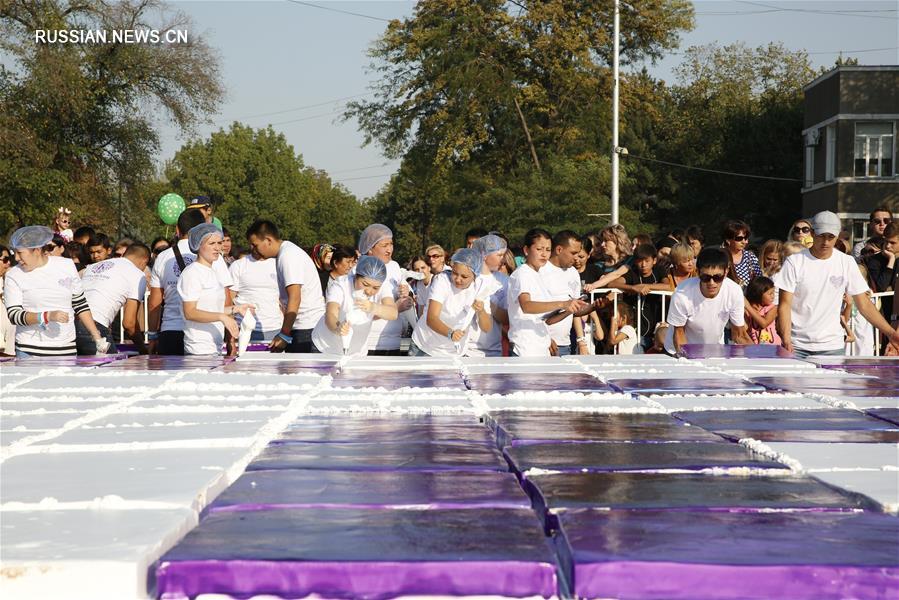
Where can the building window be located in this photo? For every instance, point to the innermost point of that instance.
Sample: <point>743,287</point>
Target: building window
<point>809,166</point>
<point>873,149</point>
<point>831,152</point>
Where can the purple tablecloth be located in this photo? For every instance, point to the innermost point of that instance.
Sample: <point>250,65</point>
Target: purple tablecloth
<point>720,555</point>
<point>346,553</point>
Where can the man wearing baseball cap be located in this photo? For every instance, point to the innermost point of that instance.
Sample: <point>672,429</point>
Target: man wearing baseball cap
<point>812,284</point>
<point>204,205</point>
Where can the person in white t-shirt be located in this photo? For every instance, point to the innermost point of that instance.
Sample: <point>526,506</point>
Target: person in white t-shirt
<point>299,287</point>
<point>453,304</point>
<point>812,284</point>
<point>110,286</point>
<point>702,306</point>
<point>255,281</point>
<point>43,296</point>
<point>203,296</point>
<point>385,336</point>
<point>530,301</point>
<point>563,282</point>
<point>490,343</point>
<point>352,302</point>
<point>166,320</point>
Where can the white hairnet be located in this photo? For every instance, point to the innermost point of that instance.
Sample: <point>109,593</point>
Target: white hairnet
<point>32,236</point>
<point>371,268</point>
<point>469,257</point>
<point>489,244</point>
<point>199,233</point>
<point>373,234</point>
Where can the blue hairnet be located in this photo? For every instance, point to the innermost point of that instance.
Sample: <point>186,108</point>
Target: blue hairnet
<point>32,236</point>
<point>372,235</point>
<point>471,258</point>
<point>199,233</point>
<point>489,244</point>
<point>371,268</point>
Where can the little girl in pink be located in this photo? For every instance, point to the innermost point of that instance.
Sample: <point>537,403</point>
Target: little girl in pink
<point>761,311</point>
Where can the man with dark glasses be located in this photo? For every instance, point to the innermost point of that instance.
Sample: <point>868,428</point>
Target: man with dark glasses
<point>702,306</point>
<point>812,284</point>
<point>879,219</point>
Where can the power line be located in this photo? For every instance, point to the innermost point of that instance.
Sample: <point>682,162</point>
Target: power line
<point>844,13</point>
<point>287,110</point>
<point>692,168</point>
<point>309,118</point>
<point>841,51</point>
<point>337,10</point>
<point>367,177</point>
<point>384,164</point>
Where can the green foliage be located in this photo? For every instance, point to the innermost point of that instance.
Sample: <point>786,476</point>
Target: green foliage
<point>75,119</point>
<point>254,173</point>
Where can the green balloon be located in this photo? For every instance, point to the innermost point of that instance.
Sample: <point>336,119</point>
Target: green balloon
<point>217,223</point>
<point>170,208</point>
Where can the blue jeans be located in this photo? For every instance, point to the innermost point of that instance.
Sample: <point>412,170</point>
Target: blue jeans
<point>301,343</point>
<point>564,350</point>
<point>800,353</point>
<point>414,350</point>
<point>85,343</point>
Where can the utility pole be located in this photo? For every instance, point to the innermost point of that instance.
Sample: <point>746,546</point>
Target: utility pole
<point>615,155</point>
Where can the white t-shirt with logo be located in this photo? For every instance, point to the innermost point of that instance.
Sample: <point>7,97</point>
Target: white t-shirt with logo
<point>562,284</point>
<point>108,284</point>
<point>818,286</point>
<point>528,332</point>
<point>165,276</point>
<point>703,319</point>
<point>294,267</point>
<point>256,282</point>
<point>340,292</point>
<point>46,288</point>
<point>386,335</point>
<point>199,283</point>
<point>455,312</point>
<point>490,343</point>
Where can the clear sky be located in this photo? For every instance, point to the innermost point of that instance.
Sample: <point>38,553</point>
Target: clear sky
<point>292,65</point>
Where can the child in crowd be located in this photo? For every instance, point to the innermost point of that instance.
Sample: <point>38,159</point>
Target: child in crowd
<point>622,333</point>
<point>761,311</point>
<point>642,278</point>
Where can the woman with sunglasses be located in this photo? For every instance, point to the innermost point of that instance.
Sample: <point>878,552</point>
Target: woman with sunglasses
<point>61,223</point>
<point>702,306</point>
<point>43,297</point>
<point>746,264</point>
<point>801,232</point>
<point>7,329</point>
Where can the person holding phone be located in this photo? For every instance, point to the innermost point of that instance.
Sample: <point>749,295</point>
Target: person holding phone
<point>701,306</point>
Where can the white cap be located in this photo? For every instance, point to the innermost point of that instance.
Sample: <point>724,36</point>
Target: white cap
<point>826,222</point>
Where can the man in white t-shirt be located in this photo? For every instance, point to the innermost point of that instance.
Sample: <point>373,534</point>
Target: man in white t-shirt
<point>490,343</point>
<point>166,326</point>
<point>109,286</point>
<point>299,287</point>
<point>385,336</point>
<point>812,284</point>
<point>255,281</point>
<point>563,282</point>
<point>701,306</point>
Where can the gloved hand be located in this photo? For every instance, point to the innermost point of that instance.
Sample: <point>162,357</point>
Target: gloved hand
<point>102,345</point>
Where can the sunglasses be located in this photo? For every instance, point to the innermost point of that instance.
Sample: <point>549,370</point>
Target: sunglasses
<point>802,230</point>
<point>881,221</point>
<point>5,259</point>
<point>435,255</point>
<point>705,278</point>
<point>741,238</point>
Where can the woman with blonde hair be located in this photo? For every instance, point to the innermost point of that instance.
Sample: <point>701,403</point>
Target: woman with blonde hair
<point>801,232</point>
<point>683,264</point>
<point>615,256</point>
<point>436,257</point>
<point>772,257</point>
<point>61,223</point>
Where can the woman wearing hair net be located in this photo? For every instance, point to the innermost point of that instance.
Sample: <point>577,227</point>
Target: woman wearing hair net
<point>43,295</point>
<point>352,304</point>
<point>446,323</point>
<point>203,295</point>
<point>490,343</point>
<point>385,336</point>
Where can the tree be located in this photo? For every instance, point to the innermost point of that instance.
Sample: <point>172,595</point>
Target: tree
<point>76,118</point>
<point>254,173</point>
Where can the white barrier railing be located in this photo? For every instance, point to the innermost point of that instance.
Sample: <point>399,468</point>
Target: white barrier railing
<point>879,304</point>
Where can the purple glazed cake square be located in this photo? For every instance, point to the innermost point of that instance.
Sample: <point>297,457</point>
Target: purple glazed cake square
<point>650,554</point>
<point>624,456</point>
<point>517,428</point>
<point>285,367</point>
<point>347,553</point>
<point>510,383</point>
<point>257,490</point>
<point>814,383</point>
<point>890,415</point>
<point>358,378</point>
<point>698,385</point>
<point>380,457</point>
<point>389,429</point>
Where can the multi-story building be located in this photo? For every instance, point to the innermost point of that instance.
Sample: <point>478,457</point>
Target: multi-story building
<point>851,118</point>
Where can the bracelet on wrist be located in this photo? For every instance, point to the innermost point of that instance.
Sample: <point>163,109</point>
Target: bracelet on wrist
<point>284,337</point>
<point>450,333</point>
<point>152,335</point>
